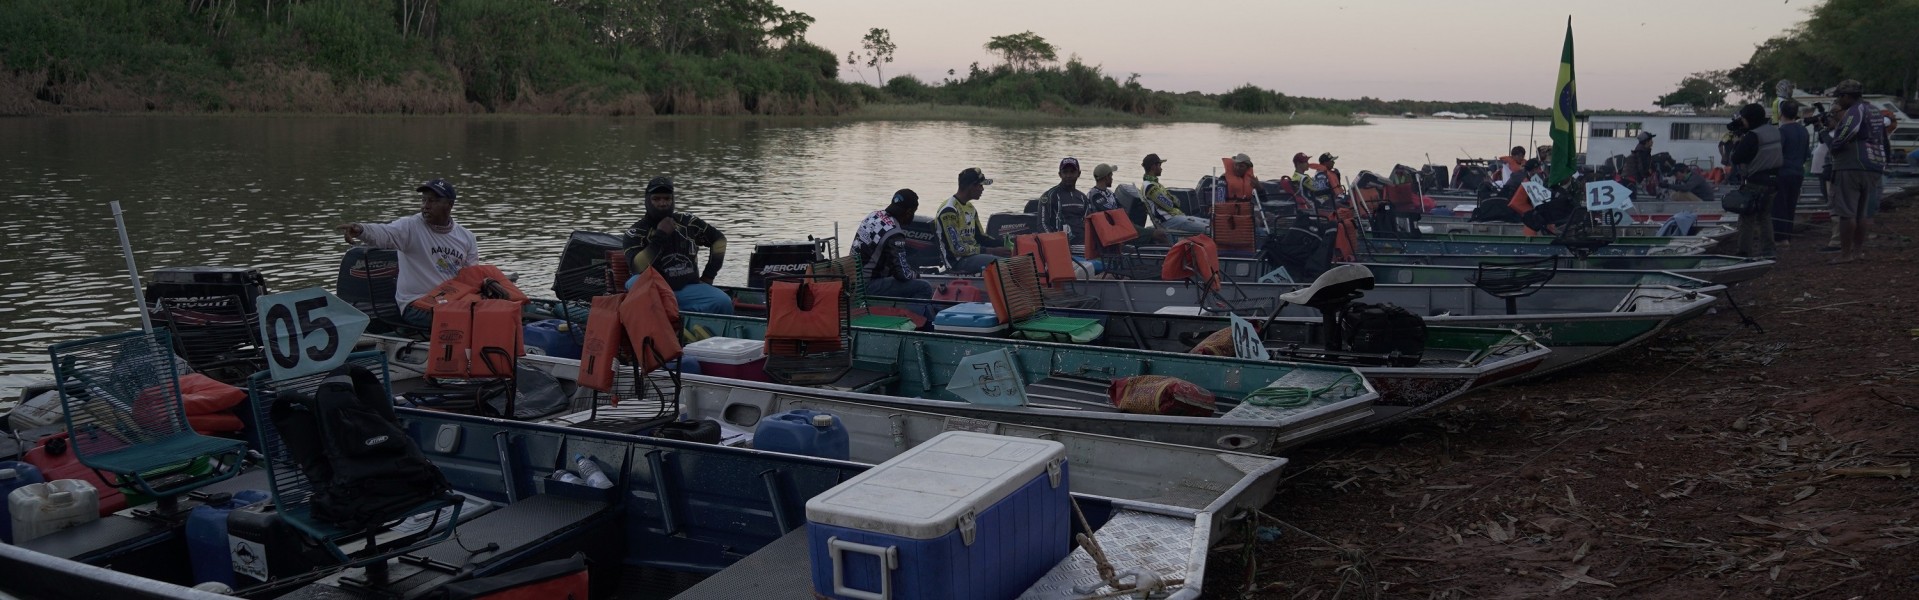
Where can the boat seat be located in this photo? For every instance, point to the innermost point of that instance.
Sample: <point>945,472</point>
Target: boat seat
<point>1013,286</point>
<point>860,380</point>
<point>1070,393</point>
<point>127,420</point>
<point>1515,280</point>
<point>1333,285</point>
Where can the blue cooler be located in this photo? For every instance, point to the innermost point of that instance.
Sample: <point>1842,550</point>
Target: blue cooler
<point>964,515</point>
<point>554,337</point>
<point>208,548</point>
<point>970,318</point>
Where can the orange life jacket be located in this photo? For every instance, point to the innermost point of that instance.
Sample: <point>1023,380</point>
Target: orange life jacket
<point>651,317</point>
<point>473,282</point>
<point>803,317</point>
<point>1052,255</point>
<point>600,349</point>
<point>1238,187</point>
<point>1332,178</point>
<point>1345,236</point>
<point>1233,225</point>
<point>1195,258</point>
<point>475,339</point>
<point>1108,228</point>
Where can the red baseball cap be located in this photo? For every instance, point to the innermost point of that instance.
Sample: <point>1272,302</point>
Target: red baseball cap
<point>1302,157</point>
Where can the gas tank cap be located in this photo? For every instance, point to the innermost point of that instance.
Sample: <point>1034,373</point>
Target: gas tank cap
<point>822,420</point>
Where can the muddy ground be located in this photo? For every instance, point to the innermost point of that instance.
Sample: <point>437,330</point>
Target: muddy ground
<point>1714,462</point>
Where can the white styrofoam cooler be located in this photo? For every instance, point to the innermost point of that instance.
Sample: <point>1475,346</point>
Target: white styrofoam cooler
<point>726,350</point>
<point>964,515</point>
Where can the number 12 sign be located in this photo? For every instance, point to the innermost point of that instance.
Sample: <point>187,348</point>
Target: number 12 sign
<point>307,331</point>
<point>1607,195</point>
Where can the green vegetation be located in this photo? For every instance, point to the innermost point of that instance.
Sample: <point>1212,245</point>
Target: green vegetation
<point>605,57</point>
<point>1867,40</point>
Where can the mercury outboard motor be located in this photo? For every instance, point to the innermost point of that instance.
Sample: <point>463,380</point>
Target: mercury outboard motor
<point>923,243</point>
<point>583,266</point>
<point>211,313</point>
<point>780,258</point>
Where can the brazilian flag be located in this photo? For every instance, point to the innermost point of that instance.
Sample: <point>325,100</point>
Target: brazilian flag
<point>1565,106</point>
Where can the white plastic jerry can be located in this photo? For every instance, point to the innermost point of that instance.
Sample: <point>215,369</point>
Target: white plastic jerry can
<point>42,508</point>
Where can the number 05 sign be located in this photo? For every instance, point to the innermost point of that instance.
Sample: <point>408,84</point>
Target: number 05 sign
<point>307,331</point>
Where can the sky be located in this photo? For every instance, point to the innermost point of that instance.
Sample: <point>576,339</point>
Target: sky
<point>1628,52</point>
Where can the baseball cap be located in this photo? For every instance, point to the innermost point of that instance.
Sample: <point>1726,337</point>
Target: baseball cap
<point>973,175</point>
<point>1647,135</point>
<point>659,185</point>
<point>907,197</point>
<point>1150,160</point>
<point>1849,86</point>
<point>1069,162</point>
<point>1103,170</point>
<point>1242,159</point>
<point>438,187</point>
<point>1327,156</point>
<point>1532,163</point>
<point>1302,157</point>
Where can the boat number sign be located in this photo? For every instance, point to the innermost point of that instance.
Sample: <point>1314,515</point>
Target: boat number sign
<point>307,331</point>
<point>1247,342</point>
<point>1537,192</point>
<point>1607,195</point>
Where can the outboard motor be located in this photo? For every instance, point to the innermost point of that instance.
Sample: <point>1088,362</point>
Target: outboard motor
<point>368,279</point>
<point>1004,226</point>
<point>583,266</point>
<point>923,243</point>
<point>211,313</point>
<point>1305,250</point>
<point>1134,201</point>
<point>780,258</point>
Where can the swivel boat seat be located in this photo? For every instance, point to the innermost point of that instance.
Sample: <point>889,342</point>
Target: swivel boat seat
<point>1329,294</point>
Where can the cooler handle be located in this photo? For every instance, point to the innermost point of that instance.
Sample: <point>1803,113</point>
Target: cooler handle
<point>889,558</point>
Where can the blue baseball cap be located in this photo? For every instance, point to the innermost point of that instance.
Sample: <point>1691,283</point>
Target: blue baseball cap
<point>438,187</point>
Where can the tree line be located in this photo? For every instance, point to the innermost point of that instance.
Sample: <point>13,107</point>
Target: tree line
<point>1867,40</point>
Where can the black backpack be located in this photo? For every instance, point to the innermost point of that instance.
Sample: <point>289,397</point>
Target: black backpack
<point>363,467</point>
<point>1384,329</point>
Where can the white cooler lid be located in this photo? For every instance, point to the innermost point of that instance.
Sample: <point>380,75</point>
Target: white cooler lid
<point>727,350</point>
<point>922,493</point>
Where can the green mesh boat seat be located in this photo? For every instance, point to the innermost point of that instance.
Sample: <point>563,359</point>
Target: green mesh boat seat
<point>1012,285</point>
<point>849,267</point>
<point>293,492</point>
<point>121,398</point>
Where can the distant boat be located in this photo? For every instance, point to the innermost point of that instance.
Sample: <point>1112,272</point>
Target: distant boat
<point>1410,115</point>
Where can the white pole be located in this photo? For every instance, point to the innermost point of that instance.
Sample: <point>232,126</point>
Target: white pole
<point>133,271</point>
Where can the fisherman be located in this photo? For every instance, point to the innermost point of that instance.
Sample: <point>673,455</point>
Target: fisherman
<point>1335,180</point>
<point>1795,143</point>
<point>1757,154</point>
<point>1162,207</point>
<point>880,244</point>
<point>431,247</point>
<point>1639,164</point>
<point>1858,155</point>
<point>669,241</point>
<point>1689,186</point>
<point>1100,198</point>
<point>1240,183</point>
<point>1513,162</point>
<point>1311,190</point>
<point>963,240</point>
<point>1063,208</point>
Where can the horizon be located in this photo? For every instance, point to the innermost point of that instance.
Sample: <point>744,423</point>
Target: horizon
<point>1613,73</point>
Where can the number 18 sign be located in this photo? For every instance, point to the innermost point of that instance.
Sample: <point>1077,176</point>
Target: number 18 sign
<point>1607,195</point>
<point>307,331</point>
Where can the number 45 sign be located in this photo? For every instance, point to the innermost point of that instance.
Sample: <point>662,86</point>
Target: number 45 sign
<point>307,331</point>
<point>1607,195</point>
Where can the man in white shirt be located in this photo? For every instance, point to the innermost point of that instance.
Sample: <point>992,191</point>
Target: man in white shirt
<point>431,247</point>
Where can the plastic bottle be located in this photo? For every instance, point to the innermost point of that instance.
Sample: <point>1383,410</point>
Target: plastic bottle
<point>566,476</point>
<point>590,471</point>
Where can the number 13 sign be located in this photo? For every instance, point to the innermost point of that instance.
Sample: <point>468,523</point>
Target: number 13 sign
<point>307,331</point>
<point>1607,195</point>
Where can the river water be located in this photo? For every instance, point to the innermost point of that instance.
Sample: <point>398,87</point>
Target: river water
<point>267,191</point>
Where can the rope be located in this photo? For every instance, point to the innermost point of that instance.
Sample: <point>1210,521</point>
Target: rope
<point>1290,396</point>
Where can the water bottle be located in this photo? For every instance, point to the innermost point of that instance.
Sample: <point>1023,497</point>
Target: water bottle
<point>565,476</point>
<point>590,471</point>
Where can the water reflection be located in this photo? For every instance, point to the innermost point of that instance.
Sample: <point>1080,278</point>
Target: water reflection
<point>267,191</point>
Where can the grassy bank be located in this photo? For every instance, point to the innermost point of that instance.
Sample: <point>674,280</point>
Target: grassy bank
<point>1184,114</point>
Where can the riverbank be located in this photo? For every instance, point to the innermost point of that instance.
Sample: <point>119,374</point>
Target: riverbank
<point>1089,116</point>
<point>1716,461</point>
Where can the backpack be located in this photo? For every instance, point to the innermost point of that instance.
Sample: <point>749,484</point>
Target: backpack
<point>1384,329</point>
<point>363,467</point>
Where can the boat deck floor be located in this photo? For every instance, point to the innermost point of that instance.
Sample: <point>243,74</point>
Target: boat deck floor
<point>771,573</point>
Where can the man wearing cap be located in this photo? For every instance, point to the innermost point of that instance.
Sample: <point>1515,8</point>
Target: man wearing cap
<point>1335,180</point>
<point>1758,155</point>
<point>1639,163</point>
<point>963,240</point>
<point>880,244</point>
<point>431,247</point>
<point>1063,208</point>
<point>1162,207</point>
<point>669,241</point>
<point>1309,187</point>
<point>1858,154</point>
<point>1240,184</point>
<point>1688,186</point>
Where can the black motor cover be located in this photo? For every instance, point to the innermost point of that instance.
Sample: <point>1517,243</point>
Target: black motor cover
<point>582,272</point>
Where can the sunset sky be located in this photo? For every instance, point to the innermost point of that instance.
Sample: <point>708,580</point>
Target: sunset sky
<point>1629,51</point>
